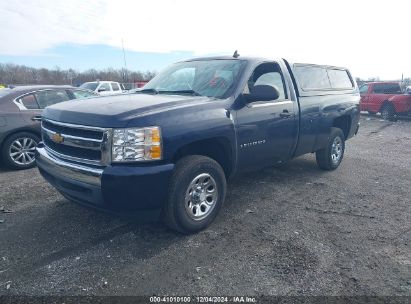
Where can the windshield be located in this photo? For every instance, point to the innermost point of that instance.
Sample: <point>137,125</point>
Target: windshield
<point>212,78</point>
<point>89,85</point>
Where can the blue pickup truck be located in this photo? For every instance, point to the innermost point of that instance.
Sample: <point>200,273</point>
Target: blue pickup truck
<point>171,147</point>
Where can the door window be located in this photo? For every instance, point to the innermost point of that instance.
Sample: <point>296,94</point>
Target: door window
<point>392,88</point>
<point>104,87</point>
<point>29,101</point>
<point>387,88</point>
<point>364,89</point>
<point>378,88</point>
<point>50,97</point>
<point>115,86</point>
<point>268,74</point>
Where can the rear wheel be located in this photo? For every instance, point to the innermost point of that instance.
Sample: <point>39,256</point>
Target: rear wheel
<point>196,194</point>
<point>19,149</point>
<point>388,112</point>
<point>331,156</point>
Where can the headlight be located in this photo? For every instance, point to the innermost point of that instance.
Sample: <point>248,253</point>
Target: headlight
<point>136,144</point>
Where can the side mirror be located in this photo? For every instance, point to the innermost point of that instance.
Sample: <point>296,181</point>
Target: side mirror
<point>101,90</point>
<point>263,93</point>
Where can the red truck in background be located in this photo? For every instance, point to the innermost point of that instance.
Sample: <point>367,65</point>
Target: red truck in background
<point>386,98</point>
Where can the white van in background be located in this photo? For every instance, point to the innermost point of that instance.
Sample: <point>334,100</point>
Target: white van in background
<point>103,87</point>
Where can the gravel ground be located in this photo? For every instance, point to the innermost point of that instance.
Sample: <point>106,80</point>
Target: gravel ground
<point>289,231</point>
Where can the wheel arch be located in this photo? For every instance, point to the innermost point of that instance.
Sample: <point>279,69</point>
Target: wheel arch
<point>344,123</point>
<point>387,103</point>
<point>217,148</point>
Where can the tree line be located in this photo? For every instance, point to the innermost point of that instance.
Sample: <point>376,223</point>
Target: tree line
<point>14,74</point>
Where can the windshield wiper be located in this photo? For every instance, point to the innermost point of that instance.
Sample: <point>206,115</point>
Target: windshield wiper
<point>191,92</point>
<point>153,91</point>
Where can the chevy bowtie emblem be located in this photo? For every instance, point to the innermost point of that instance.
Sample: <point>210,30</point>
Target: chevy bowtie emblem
<point>57,138</point>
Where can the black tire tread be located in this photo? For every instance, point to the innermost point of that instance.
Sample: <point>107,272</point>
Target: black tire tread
<point>183,167</point>
<point>391,111</point>
<point>322,156</point>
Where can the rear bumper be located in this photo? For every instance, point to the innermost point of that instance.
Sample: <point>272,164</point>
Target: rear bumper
<point>115,188</point>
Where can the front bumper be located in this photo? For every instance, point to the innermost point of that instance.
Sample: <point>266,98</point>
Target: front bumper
<point>121,188</point>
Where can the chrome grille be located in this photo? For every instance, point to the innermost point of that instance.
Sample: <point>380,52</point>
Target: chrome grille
<point>78,143</point>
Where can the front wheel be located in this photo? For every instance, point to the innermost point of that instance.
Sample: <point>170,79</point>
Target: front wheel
<point>331,156</point>
<point>196,194</point>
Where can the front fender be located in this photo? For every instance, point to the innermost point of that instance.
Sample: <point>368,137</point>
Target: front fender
<point>205,125</point>
<point>181,126</point>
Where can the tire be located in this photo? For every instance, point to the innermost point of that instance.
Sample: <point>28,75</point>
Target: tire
<point>196,193</point>
<point>331,156</point>
<point>388,112</point>
<point>18,150</point>
<point>372,113</point>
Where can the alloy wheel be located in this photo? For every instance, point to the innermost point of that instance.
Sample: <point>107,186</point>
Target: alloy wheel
<point>22,151</point>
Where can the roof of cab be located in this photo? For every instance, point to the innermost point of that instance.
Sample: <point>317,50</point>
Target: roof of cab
<point>261,59</point>
<point>226,58</point>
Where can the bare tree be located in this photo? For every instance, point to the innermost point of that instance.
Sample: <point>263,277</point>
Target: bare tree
<point>13,74</point>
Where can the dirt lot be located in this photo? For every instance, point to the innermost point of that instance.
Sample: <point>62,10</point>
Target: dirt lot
<point>295,230</point>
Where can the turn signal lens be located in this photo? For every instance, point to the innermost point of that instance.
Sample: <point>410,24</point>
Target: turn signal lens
<point>155,152</point>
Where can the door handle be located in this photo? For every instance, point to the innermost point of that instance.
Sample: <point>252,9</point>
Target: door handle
<point>285,114</point>
<point>36,118</point>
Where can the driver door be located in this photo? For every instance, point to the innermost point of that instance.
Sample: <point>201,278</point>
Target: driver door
<point>266,130</point>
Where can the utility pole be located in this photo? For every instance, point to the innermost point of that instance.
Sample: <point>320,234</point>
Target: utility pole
<point>125,62</point>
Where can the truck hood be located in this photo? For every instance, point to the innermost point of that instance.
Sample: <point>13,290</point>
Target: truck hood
<point>117,111</point>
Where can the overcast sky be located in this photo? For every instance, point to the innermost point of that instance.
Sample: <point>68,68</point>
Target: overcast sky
<point>372,38</point>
